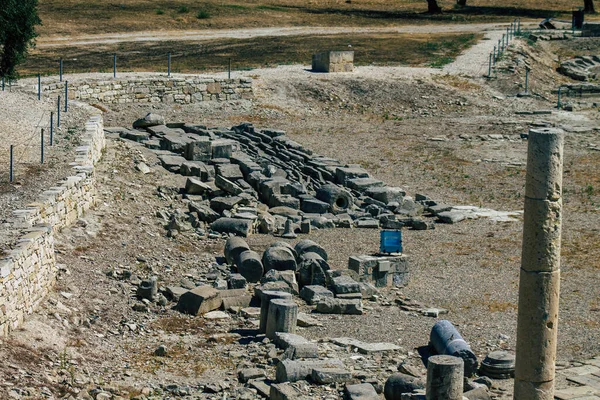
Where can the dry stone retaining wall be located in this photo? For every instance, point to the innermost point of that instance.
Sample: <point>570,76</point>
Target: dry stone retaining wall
<point>157,89</point>
<point>28,271</point>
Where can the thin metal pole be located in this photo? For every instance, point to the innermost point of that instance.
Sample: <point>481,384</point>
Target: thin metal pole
<point>60,69</point>
<point>11,165</point>
<point>558,105</point>
<point>51,128</point>
<point>39,86</point>
<point>42,147</point>
<point>526,79</point>
<point>3,84</point>
<point>229,69</point>
<point>66,96</point>
<point>115,65</point>
<point>58,112</point>
<point>490,66</point>
<point>169,66</point>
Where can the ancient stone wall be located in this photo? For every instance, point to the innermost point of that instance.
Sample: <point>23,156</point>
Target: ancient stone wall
<point>154,89</point>
<point>28,270</point>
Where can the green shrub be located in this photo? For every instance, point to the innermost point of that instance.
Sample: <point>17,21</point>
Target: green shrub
<point>183,10</point>
<point>159,12</point>
<point>202,14</point>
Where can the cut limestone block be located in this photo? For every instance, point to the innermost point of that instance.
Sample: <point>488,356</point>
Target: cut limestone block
<point>381,271</point>
<point>333,61</point>
<point>199,300</point>
<point>295,370</point>
<point>344,284</point>
<point>339,306</point>
<point>239,227</point>
<point>312,294</point>
<point>296,346</point>
<point>196,186</point>
<point>199,150</point>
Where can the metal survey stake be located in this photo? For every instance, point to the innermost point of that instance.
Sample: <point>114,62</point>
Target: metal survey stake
<point>66,96</point>
<point>11,165</point>
<point>115,65</point>
<point>39,86</point>
<point>42,147</point>
<point>51,128</point>
<point>169,66</point>
<point>60,69</point>
<point>58,112</point>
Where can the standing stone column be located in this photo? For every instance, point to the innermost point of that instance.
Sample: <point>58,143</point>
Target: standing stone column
<point>265,300</point>
<point>540,267</point>
<point>283,316</point>
<point>445,378</point>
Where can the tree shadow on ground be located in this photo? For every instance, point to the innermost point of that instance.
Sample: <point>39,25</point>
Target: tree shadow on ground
<point>507,11</point>
<point>445,15</point>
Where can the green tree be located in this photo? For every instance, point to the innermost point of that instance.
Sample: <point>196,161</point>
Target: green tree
<point>18,19</point>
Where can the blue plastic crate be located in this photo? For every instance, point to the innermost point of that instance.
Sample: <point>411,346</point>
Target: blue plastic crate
<point>390,241</point>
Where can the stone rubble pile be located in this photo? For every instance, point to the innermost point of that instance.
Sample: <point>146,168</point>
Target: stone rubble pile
<point>244,180</point>
<point>276,293</point>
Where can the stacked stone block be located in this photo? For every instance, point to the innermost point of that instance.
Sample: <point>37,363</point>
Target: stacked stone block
<point>28,270</point>
<point>156,89</point>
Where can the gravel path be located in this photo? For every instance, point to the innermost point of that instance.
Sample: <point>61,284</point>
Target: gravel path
<point>152,36</point>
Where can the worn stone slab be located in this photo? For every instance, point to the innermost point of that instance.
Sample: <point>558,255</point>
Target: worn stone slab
<point>285,391</point>
<point>582,370</point>
<point>306,321</point>
<point>586,380</point>
<point>261,387</point>
<point>345,284</point>
<point>247,374</point>
<point>171,163</point>
<point>575,392</point>
<point>363,347</point>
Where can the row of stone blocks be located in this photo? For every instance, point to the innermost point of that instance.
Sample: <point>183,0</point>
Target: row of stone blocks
<point>28,270</point>
<point>157,89</point>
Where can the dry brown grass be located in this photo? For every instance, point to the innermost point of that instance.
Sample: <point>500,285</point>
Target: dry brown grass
<point>65,17</point>
<point>192,57</point>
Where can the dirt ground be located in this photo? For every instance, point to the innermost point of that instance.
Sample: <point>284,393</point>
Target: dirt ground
<point>428,133</point>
